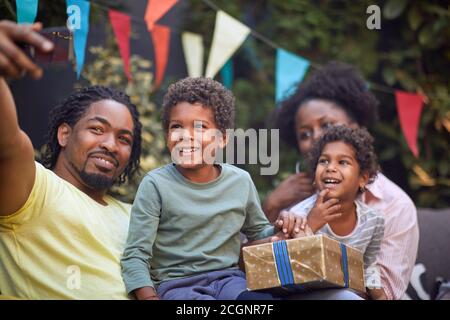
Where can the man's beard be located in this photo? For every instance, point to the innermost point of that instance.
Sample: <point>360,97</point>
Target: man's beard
<point>94,180</point>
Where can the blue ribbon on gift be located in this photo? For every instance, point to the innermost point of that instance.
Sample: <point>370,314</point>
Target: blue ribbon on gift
<point>283,263</point>
<point>284,268</point>
<point>344,264</point>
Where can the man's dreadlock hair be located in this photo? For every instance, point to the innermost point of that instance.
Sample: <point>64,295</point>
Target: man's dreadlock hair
<point>72,109</point>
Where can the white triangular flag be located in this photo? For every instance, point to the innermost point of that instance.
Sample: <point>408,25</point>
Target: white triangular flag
<point>193,53</point>
<point>229,34</point>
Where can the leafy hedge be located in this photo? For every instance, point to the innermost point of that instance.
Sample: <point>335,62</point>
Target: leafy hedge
<point>411,52</point>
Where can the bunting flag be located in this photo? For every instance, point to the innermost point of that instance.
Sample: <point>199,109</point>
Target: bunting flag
<point>155,10</point>
<point>26,11</point>
<point>193,53</point>
<point>290,70</point>
<point>121,24</point>
<point>227,74</point>
<point>161,45</point>
<point>78,22</point>
<point>229,34</point>
<point>409,108</point>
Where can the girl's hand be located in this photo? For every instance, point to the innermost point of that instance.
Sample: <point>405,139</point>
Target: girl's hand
<point>323,211</point>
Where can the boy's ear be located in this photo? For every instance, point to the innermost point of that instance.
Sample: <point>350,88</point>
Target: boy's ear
<point>64,131</point>
<point>167,138</point>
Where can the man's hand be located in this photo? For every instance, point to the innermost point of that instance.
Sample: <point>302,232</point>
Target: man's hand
<point>146,293</point>
<point>14,63</point>
<point>292,190</point>
<point>17,168</point>
<point>323,211</point>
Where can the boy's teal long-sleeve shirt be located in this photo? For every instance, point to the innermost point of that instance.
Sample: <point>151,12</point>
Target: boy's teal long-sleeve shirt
<point>179,228</point>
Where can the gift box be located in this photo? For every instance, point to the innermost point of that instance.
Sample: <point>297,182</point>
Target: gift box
<point>304,263</point>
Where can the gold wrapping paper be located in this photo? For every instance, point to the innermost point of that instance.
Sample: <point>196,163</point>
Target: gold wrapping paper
<point>315,262</point>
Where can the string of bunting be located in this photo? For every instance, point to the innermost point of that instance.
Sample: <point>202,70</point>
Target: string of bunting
<point>229,35</point>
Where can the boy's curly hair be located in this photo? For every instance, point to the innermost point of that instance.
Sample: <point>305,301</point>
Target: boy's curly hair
<point>336,82</point>
<point>205,91</point>
<point>361,141</point>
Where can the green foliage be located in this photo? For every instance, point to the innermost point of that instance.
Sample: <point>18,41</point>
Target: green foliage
<point>419,61</point>
<point>411,52</point>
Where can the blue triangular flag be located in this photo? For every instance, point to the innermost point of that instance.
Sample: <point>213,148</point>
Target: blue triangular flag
<point>290,70</point>
<point>26,10</point>
<point>78,22</point>
<point>227,74</point>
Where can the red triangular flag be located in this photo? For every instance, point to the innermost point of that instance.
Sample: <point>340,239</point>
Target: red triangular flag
<point>161,45</point>
<point>121,24</point>
<point>409,108</point>
<point>155,10</point>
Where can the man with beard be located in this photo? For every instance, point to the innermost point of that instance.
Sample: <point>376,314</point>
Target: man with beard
<point>61,235</point>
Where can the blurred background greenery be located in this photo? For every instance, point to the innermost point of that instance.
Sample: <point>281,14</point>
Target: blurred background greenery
<point>410,52</point>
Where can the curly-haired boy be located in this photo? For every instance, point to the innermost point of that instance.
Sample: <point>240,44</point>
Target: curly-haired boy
<point>184,237</point>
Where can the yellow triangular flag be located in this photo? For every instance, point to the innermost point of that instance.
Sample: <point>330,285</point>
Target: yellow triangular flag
<point>193,53</point>
<point>229,34</point>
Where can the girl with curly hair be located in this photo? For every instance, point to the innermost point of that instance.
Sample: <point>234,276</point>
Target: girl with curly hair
<point>343,162</point>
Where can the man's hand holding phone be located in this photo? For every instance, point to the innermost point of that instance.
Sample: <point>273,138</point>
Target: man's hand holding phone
<point>61,37</point>
<point>14,62</point>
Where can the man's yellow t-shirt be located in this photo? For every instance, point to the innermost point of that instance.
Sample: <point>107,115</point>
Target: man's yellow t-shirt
<point>62,244</point>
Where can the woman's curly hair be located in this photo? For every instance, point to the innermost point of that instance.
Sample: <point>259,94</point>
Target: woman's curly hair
<point>72,109</point>
<point>205,91</point>
<point>336,82</point>
<point>360,140</point>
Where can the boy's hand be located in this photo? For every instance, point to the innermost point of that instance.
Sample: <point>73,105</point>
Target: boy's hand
<point>14,63</point>
<point>377,294</point>
<point>305,230</point>
<point>280,235</point>
<point>146,293</point>
<point>323,211</point>
<point>290,225</point>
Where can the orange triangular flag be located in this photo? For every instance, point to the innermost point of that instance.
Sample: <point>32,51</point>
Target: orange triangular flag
<point>161,45</point>
<point>409,108</point>
<point>155,10</point>
<point>121,25</point>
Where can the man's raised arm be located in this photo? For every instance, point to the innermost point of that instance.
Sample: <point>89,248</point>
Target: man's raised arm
<point>17,169</point>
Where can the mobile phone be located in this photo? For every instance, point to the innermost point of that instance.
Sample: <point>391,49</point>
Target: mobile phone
<point>62,40</point>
